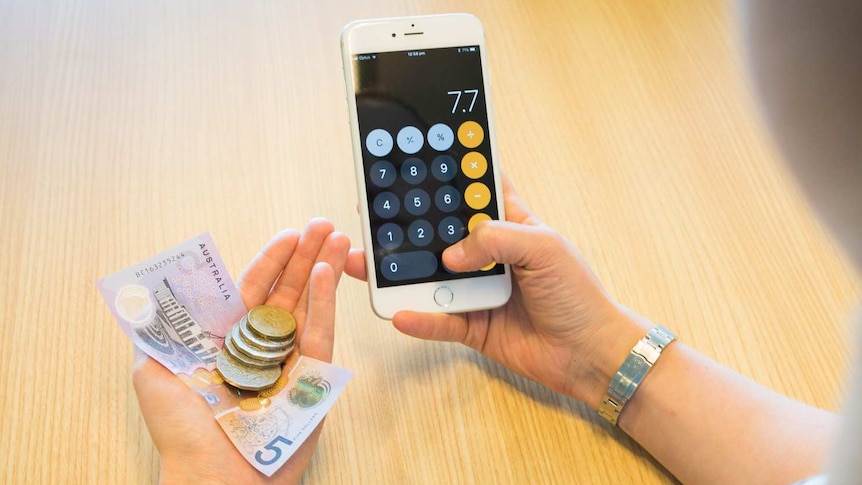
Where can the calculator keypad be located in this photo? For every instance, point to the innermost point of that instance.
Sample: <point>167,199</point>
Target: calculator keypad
<point>427,190</point>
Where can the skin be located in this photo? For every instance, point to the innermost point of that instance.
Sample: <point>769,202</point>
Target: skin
<point>296,271</point>
<point>704,422</point>
<point>561,329</point>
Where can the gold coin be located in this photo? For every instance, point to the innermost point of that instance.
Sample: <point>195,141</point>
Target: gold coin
<point>250,404</point>
<point>276,388</point>
<point>256,341</point>
<point>216,378</point>
<point>271,322</point>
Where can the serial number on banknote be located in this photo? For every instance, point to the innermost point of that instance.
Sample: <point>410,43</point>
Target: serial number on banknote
<point>159,264</point>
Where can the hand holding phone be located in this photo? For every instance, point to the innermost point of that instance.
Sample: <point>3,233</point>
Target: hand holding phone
<point>425,154</point>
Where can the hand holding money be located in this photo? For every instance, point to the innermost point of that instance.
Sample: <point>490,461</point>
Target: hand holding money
<point>296,272</point>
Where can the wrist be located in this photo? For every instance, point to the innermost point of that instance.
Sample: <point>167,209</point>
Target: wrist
<point>611,344</point>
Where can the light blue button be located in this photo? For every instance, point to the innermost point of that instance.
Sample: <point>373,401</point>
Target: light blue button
<point>379,142</point>
<point>440,137</point>
<point>410,140</point>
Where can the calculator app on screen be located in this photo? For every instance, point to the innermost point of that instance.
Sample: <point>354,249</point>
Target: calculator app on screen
<point>426,155</point>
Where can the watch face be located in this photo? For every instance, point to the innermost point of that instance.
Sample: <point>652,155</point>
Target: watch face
<point>427,158</point>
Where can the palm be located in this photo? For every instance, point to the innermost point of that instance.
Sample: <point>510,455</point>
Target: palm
<point>535,333</point>
<point>283,274</point>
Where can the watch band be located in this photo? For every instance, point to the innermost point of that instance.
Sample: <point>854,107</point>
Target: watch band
<point>640,360</point>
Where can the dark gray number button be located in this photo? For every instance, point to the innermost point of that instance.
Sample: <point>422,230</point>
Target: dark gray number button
<point>417,202</point>
<point>414,171</point>
<point>420,232</point>
<point>447,198</point>
<point>444,168</point>
<point>383,174</point>
<point>451,229</point>
<point>409,265</point>
<point>386,205</point>
<point>390,235</point>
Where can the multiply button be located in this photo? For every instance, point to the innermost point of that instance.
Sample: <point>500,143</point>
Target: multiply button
<point>379,142</point>
<point>409,265</point>
<point>470,134</point>
<point>474,165</point>
<point>477,195</point>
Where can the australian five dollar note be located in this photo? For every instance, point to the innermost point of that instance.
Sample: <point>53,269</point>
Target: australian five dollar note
<point>177,307</point>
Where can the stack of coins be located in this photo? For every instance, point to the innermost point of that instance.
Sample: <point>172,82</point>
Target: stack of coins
<point>256,347</point>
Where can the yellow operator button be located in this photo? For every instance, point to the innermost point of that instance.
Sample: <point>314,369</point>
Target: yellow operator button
<point>471,134</point>
<point>474,165</point>
<point>477,195</point>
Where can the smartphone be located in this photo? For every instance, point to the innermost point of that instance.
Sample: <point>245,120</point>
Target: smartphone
<point>425,156</point>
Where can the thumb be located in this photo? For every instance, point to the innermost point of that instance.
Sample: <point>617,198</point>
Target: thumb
<point>504,242</point>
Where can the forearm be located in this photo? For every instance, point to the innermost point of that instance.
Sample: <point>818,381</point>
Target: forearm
<point>708,424</point>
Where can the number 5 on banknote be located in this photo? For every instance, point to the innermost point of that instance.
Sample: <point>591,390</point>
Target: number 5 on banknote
<point>273,446</point>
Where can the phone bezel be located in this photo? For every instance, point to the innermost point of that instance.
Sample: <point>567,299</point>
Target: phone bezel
<point>424,32</point>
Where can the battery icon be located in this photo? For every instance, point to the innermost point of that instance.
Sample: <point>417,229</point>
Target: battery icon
<point>472,49</point>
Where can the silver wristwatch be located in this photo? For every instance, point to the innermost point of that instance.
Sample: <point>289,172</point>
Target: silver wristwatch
<point>639,361</point>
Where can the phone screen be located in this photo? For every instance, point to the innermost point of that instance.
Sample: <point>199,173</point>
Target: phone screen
<point>423,126</point>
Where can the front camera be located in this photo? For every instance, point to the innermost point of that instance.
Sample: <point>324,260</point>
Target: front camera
<point>393,34</point>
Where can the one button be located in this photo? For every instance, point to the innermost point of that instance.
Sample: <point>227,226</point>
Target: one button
<point>382,174</point>
<point>410,140</point>
<point>470,134</point>
<point>408,266</point>
<point>386,205</point>
<point>451,229</point>
<point>474,165</point>
<point>444,168</point>
<point>417,202</point>
<point>420,233</point>
<point>477,195</point>
<point>379,142</point>
<point>443,296</point>
<point>413,170</point>
<point>447,198</point>
<point>476,219</point>
<point>440,137</point>
<point>390,235</point>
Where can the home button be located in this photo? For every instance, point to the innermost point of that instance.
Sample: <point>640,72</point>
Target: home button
<point>443,296</point>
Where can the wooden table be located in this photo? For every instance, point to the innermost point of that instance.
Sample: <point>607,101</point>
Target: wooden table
<point>127,127</point>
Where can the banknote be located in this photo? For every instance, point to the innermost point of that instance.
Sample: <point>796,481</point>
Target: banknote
<point>177,307</point>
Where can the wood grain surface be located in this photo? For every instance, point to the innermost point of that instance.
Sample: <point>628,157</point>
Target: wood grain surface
<point>127,127</point>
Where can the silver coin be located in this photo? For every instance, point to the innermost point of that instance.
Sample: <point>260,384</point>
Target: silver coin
<point>260,355</point>
<point>230,348</point>
<point>254,340</point>
<point>246,377</point>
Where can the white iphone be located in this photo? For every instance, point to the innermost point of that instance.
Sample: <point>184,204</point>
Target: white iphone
<point>426,169</point>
